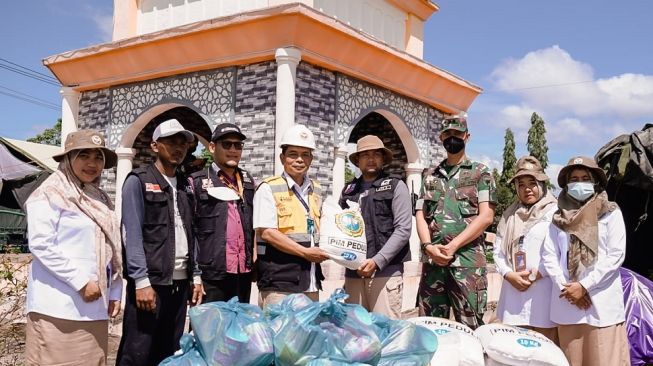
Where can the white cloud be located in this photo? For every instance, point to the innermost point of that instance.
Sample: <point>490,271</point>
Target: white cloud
<point>570,132</point>
<point>552,172</point>
<point>516,117</point>
<point>488,161</point>
<point>551,80</point>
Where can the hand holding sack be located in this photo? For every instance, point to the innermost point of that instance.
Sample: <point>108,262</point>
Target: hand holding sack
<point>342,233</point>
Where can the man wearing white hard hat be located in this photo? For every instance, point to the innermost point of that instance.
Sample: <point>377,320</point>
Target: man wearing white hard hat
<point>159,251</point>
<point>287,211</point>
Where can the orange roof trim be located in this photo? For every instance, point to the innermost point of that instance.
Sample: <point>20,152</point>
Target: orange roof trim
<point>422,8</point>
<point>253,37</point>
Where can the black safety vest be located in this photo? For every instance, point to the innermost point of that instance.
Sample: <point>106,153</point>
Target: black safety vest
<point>159,223</point>
<point>376,208</point>
<point>210,222</point>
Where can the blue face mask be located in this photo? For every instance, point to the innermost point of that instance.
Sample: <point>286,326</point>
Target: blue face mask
<point>580,191</point>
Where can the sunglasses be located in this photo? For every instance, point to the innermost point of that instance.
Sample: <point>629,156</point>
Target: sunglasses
<point>238,145</point>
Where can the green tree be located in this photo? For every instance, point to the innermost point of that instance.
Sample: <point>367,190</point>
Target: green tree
<point>505,191</point>
<point>49,136</point>
<point>206,154</point>
<point>537,140</point>
<point>509,159</point>
<point>349,174</point>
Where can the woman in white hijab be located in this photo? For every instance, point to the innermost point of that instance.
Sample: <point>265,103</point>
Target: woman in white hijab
<point>582,253</point>
<point>525,292</point>
<point>75,282</point>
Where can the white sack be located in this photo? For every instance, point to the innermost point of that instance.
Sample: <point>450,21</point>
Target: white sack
<point>518,346</point>
<point>457,343</point>
<point>342,234</point>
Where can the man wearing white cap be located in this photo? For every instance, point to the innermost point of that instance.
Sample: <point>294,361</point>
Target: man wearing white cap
<point>159,251</point>
<point>287,211</point>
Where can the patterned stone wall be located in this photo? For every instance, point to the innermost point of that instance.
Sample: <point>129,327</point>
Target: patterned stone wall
<point>436,152</point>
<point>209,92</point>
<point>315,107</point>
<point>331,104</point>
<point>255,104</point>
<point>355,99</point>
<point>95,113</point>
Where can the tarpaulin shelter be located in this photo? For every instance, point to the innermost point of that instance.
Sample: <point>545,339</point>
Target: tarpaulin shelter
<point>23,166</point>
<point>628,162</point>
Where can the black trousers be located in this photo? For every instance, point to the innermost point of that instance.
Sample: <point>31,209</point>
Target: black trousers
<point>233,285</point>
<point>150,337</point>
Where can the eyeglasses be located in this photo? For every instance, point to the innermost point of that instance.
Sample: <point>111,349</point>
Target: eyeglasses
<point>238,145</point>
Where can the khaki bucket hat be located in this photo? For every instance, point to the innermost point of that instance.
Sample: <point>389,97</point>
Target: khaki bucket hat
<point>88,139</point>
<point>370,142</point>
<point>584,162</point>
<point>529,165</point>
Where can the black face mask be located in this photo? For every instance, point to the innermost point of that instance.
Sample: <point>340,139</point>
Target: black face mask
<point>453,144</point>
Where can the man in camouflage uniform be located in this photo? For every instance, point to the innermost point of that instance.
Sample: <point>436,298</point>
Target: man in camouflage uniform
<point>456,205</point>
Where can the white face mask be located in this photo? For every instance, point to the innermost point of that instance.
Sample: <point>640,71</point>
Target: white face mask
<point>580,190</point>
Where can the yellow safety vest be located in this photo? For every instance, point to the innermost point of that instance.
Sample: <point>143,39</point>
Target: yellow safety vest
<point>291,215</point>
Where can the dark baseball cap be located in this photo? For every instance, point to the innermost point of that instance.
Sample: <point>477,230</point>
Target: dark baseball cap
<point>224,129</point>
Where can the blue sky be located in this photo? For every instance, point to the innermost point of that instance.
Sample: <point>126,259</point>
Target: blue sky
<point>585,66</point>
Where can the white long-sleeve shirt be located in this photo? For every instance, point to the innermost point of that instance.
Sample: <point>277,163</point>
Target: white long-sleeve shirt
<point>530,307</point>
<point>602,280</point>
<point>62,243</point>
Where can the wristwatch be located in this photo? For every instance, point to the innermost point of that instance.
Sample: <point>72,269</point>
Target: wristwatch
<point>425,244</point>
<point>533,276</point>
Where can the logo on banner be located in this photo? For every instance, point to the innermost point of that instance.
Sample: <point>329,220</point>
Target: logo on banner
<point>350,224</point>
<point>349,256</point>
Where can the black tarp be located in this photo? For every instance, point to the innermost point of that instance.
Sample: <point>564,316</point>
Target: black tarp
<point>628,161</point>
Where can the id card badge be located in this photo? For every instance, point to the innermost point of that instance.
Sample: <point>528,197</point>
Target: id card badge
<point>520,261</point>
<point>520,256</point>
<point>310,225</point>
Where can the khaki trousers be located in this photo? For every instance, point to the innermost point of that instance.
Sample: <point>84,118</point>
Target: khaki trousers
<point>378,294</point>
<point>585,345</point>
<point>54,341</point>
<point>275,297</point>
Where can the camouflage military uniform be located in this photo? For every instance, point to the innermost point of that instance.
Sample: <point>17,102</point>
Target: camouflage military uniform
<point>450,201</point>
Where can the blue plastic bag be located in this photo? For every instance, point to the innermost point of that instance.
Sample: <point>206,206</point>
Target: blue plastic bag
<point>190,356</point>
<point>403,343</point>
<point>278,314</point>
<point>328,331</point>
<point>232,334</point>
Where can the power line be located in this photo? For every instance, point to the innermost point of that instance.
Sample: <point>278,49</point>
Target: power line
<point>31,76</point>
<point>541,86</point>
<point>28,69</point>
<point>29,96</point>
<point>33,101</point>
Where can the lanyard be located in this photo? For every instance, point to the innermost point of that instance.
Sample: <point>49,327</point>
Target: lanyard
<point>227,182</point>
<point>299,196</point>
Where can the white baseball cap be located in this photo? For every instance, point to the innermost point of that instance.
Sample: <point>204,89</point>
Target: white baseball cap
<point>169,128</point>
